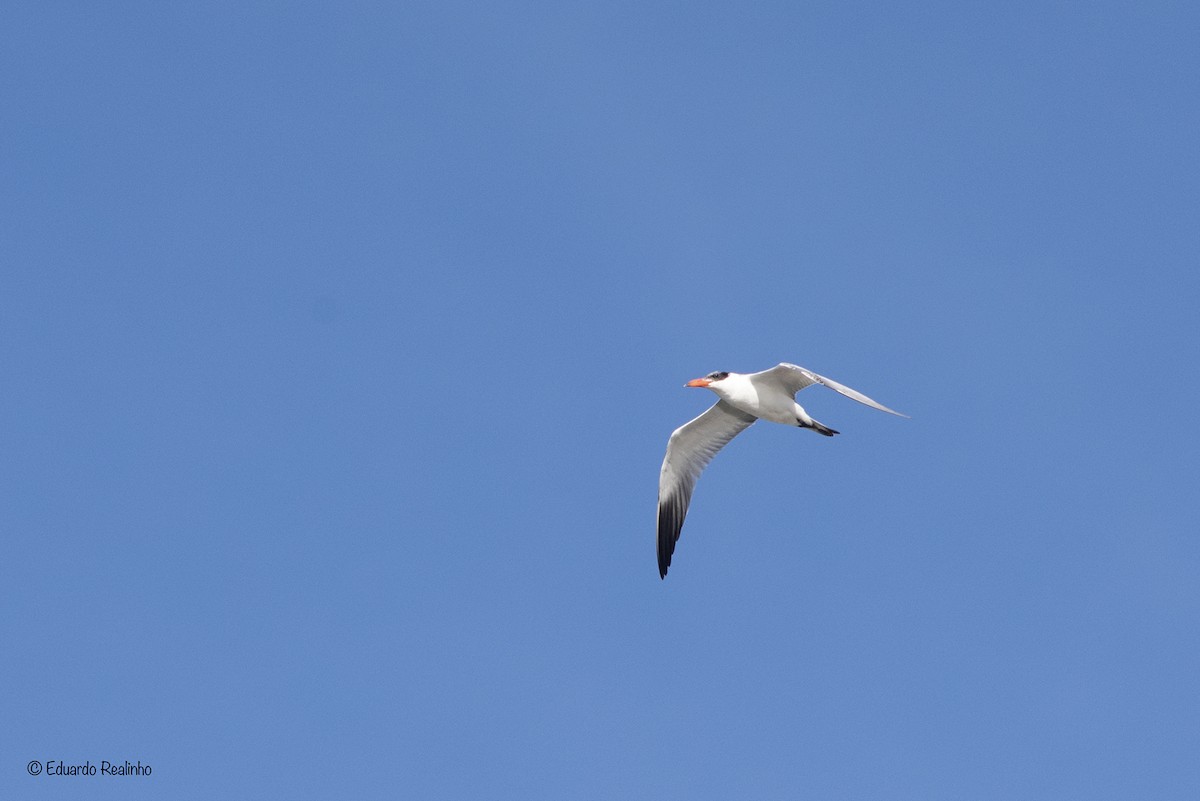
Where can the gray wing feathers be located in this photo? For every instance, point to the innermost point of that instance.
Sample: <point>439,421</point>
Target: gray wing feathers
<point>794,378</point>
<point>856,395</point>
<point>691,447</point>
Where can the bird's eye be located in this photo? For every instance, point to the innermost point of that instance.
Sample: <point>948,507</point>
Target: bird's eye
<point>717,376</point>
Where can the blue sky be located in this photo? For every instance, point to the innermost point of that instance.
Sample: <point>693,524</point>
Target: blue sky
<point>342,343</point>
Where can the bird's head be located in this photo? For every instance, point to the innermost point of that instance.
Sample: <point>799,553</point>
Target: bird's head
<point>708,380</point>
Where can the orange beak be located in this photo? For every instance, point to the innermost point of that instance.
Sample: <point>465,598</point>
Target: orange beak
<point>698,382</point>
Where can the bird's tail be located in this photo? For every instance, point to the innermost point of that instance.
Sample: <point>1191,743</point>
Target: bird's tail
<point>820,428</point>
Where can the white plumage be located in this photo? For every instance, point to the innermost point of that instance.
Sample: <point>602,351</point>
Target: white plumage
<point>744,398</point>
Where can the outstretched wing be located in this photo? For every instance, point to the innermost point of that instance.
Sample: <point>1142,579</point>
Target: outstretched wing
<point>792,378</point>
<point>691,447</point>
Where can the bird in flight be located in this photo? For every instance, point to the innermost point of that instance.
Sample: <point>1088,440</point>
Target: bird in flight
<point>744,398</point>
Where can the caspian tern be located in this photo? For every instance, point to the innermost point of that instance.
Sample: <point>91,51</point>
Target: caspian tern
<point>744,398</point>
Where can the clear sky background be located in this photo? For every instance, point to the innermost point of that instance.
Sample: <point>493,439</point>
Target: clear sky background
<point>341,343</point>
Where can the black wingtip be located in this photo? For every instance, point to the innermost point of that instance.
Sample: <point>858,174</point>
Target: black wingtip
<point>670,521</point>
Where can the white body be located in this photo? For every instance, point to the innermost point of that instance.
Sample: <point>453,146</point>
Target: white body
<point>766,400</point>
